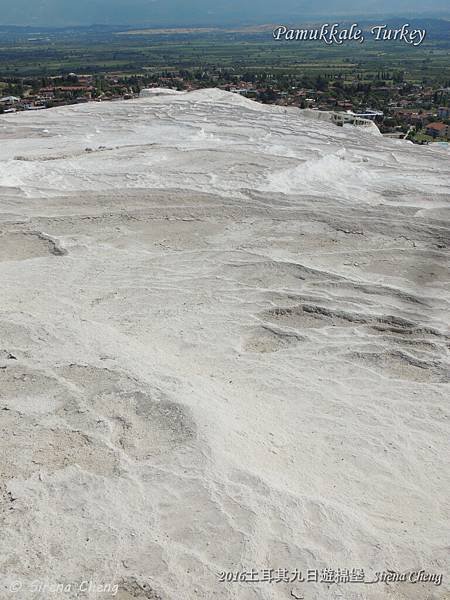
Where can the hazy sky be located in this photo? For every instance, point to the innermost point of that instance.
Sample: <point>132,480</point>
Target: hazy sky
<point>182,12</point>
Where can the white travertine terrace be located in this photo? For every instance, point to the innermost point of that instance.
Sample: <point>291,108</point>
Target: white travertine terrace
<point>224,346</point>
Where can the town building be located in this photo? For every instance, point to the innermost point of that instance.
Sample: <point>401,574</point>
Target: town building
<point>437,130</point>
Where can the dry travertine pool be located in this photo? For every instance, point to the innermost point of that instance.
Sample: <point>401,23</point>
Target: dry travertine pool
<point>224,345</point>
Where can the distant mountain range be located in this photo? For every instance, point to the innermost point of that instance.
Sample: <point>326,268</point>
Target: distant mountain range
<point>438,29</point>
<point>203,12</point>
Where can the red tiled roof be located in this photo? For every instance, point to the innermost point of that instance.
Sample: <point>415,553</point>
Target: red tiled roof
<point>437,126</point>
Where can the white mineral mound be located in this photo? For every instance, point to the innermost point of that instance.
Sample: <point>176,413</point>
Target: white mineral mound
<point>147,92</point>
<point>224,347</point>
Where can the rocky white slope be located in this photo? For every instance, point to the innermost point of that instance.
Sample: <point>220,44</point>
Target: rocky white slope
<point>224,346</point>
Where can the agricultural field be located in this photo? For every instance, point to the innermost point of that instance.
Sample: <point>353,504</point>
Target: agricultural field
<point>96,50</point>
